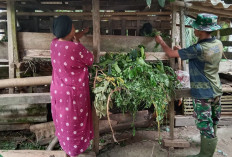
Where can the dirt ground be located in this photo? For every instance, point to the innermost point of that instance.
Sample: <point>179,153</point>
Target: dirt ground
<point>145,143</point>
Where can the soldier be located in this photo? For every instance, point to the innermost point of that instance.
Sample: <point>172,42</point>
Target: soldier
<point>206,90</point>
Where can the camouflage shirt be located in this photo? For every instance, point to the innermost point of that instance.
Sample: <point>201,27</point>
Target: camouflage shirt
<point>204,58</point>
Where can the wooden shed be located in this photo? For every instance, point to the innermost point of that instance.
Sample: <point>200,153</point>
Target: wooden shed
<point>115,26</point>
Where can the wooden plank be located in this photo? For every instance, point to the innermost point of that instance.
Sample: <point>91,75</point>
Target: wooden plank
<point>28,119</point>
<point>182,93</point>
<point>3,51</point>
<point>109,43</point>
<point>40,153</point>
<point>32,153</point>
<point>28,81</point>
<point>14,127</point>
<point>153,56</point>
<point>181,121</point>
<point>24,98</point>
<point>150,56</point>
<point>176,143</point>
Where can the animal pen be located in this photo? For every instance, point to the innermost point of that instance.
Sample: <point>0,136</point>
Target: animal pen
<point>115,28</point>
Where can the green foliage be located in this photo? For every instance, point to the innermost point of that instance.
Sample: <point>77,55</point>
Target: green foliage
<point>161,2</point>
<point>148,3</point>
<point>141,84</point>
<point>154,33</point>
<point>4,39</point>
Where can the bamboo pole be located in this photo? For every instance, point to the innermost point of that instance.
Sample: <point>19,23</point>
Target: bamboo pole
<point>29,81</point>
<point>96,52</point>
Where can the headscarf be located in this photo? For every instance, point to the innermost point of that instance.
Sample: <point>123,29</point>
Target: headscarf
<point>62,26</point>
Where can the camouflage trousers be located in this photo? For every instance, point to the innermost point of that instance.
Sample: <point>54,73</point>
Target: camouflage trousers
<point>207,113</point>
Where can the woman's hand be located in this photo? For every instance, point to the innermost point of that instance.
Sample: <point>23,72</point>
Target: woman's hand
<point>86,30</point>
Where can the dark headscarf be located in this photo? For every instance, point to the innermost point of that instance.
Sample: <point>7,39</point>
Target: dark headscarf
<point>62,26</point>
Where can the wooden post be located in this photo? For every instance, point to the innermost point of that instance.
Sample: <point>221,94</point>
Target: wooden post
<point>174,11</point>
<point>110,27</point>
<point>96,52</point>
<point>51,20</point>
<point>172,63</point>
<point>12,40</point>
<point>36,24</point>
<point>96,30</point>
<point>218,31</point>
<point>182,37</point>
<point>137,27</point>
<point>123,27</point>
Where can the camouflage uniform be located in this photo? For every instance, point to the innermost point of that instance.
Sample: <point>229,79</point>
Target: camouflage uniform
<point>206,90</point>
<point>207,113</point>
<point>204,58</point>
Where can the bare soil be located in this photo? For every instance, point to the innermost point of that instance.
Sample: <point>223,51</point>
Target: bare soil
<point>146,143</point>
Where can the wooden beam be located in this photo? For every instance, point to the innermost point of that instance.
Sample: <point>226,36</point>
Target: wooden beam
<point>12,41</point>
<point>14,127</point>
<point>32,153</point>
<point>28,81</point>
<point>96,52</point>
<point>45,54</point>
<point>109,43</point>
<point>88,13</point>
<point>25,98</point>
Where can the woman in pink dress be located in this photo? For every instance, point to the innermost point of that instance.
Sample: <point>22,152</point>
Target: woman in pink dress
<point>70,95</point>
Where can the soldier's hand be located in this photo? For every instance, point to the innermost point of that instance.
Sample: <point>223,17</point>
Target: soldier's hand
<point>177,47</point>
<point>158,39</point>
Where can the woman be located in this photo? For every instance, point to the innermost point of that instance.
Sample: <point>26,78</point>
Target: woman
<point>70,97</point>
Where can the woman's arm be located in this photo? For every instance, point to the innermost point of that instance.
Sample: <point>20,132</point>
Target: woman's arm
<point>81,34</point>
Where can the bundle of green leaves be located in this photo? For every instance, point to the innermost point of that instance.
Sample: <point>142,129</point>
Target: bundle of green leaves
<point>141,85</point>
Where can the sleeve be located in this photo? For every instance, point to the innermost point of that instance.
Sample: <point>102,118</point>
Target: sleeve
<point>191,52</point>
<point>84,55</point>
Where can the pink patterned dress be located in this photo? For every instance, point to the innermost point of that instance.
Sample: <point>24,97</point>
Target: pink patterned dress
<point>70,96</point>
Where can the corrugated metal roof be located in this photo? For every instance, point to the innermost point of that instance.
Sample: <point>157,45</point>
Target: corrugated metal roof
<point>217,7</point>
<point>218,4</point>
